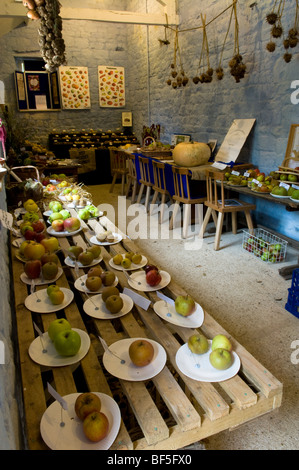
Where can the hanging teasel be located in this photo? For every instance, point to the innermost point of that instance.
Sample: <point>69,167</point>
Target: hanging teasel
<point>207,75</point>
<point>178,77</point>
<point>237,67</point>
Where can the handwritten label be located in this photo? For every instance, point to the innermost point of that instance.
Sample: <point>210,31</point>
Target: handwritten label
<point>137,298</point>
<point>57,397</point>
<point>6,219</point>
<point>234,172</point>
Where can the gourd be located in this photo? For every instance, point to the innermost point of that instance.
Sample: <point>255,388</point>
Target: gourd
<point>190,154</point>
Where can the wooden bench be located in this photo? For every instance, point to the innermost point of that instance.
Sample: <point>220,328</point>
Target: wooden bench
<point>168,412</point>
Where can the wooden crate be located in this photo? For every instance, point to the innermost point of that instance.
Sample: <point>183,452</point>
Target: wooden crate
<point>170,411</point>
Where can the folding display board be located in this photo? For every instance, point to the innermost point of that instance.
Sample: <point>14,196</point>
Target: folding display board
<point>37,91</point>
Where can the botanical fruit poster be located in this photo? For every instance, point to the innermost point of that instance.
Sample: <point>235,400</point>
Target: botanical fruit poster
<point>74,87</point>
<point>111,86</point>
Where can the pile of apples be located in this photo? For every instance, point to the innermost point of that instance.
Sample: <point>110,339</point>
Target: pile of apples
<point>95,423</point>
<point>112,299</point>
<point>126,260</point>
<point>32,228</point>
<point>88,212</point>
<point>96,278</point>
<point>67,341</point>
<point>70,224</point>
<point>45,267</point>
<point>85,257</point>
<point>221,349</point>
<point>271,252</point>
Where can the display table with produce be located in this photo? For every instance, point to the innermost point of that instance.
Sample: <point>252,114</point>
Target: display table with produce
<point>177,395</point>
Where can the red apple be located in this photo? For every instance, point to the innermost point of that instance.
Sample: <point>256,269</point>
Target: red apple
<point>29,234</point>
<point>96,426</point>
<point>71,224</point>
<point>149,267</point>
<point>38,226</point>
<point>33,268</point>
<point>39,236</point>
<point>153,277</point>
<point>87,403</point>
<point>141,352</point>
<point>58,225</point>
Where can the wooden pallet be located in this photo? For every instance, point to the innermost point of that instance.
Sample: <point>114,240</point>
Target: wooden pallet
<point>170,411</point>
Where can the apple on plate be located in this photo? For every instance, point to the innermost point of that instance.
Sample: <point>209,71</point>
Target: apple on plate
<point>38,237</point>
<point>67,343</point>
<point>49,257</point>
<point>95,271</point>
<point>87,403</point>
<point>34,250</point>
<point>51,244</point>
<point>57,225</point>
<point>55,216</point>
<point>33,268</point>
<point>108,291</point>
<point>108,278</point>
<point>153,277</point>
<point>95,250</point>
<point>141,352</point>
<point>56,296</point>
<point>64,213</point>
<point>58,325</point>
<point>29,234</point>
<point>85,258</point>
<point>117,259</point>
<point>220,358</point>
<point>126,263</point>
<point>114,303</point>
<point>198,343</point>
<point>184,305</point>
<point>136,258</point>
<point>49,270</point>
<point>38,226</point>
<point>150,267</point>
<point>221,342</point>
<point>93,283</point>
<point>55,206</point>
<point>96,426</point>
<point>75,251</point>
<point>71,224</point>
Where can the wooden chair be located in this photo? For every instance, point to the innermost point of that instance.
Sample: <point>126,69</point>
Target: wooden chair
<point>222,206</point>
<point>159,187</point>
<point>132,177</point>
<point>119,168</point>
<point>145,180</point>
<point>183,195</point>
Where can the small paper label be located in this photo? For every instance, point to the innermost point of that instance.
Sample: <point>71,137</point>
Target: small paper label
<point>137,298</point>
<point>246,174</point>
<point>285,185</point>
<point>57,397</point>
<point>234,172</point>
<point>6,219</point>
<point>255,181</point>
<point>295,186</point>
<point>167,299</point>
<point>37,329</point>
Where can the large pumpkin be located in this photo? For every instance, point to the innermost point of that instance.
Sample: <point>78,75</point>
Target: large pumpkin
<point>190,154</point>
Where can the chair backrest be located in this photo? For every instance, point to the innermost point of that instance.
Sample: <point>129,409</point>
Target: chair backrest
<point>132,166</point>
<point>215,194</point>
<point>159,175</point>
<point>145,173</point>
<point>181,183</point>
<point>118,159</point>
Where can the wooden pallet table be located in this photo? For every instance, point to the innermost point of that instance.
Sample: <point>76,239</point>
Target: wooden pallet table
<point>168,412</point>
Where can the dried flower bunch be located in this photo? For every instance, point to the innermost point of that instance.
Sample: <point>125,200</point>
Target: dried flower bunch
<point>274,19</point>
<point>237,67</point>
<point>50,31</point>
<point>178,75</point>
<point>207,75</point>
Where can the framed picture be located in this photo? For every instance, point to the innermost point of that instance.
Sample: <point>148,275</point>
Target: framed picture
<point>292,153</point>
<point>177,138</point>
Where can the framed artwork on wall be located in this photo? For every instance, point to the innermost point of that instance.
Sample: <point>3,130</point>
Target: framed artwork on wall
<point>177,138</point>
<point>74,87</point>
<point>111,86</point>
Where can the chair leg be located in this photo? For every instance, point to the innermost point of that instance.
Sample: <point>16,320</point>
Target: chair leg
<point>134,191</point>
<point>162,205</point>
<point>129,184</point>
<point>153,201</point>
<point>140,193</point>
<point>174,214</point>
<point>113,183</point>
<point>249,221</point>
<point>147,195</point>
<point>186,220</point>
<point>234,222</point>
<point>205,222</point>
<point>123,179</point>
<point>218,230</point>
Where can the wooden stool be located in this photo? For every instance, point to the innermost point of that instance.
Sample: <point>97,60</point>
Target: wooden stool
<point>145,180</point>
<point>183,195</point>
<point>119,168</point>
<point>159,187</point>
<point>222,206</point>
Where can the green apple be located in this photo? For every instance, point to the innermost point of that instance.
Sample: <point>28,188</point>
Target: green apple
<point>93,210</point>
<point>74,251</point>
<point>64,214</point>
<point>295,194</point>
<point>84,214</point>
<point>221,342</point>
<point>58,325</point>
<point>67,342</point>
<point>221,359</point>
<point>54,216</point>
<point>292,178</point>
<point>198,343</point>
<point>265,256</point>
<point>184,305</point>
<point>56,206</point>
<point>283,177</point>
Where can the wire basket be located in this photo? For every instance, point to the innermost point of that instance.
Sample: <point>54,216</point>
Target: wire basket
<point>265,245</point>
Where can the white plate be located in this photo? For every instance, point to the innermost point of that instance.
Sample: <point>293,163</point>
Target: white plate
<point>44,352</point>
<point>72,205</point>
<point>39,301</point>
<point>95,307</point>
<point>198,366</point>
<point>294,200</point>
<point>168,313</point>
<point>80,285</point>
<point>18,242</point>
<point>127,370</point>
<point>278,196</point>
<point>71,263</point>
<point>52,232</point>
<point>48,213</point>
<point>138,281</point>
<point>71,435</point>
<point>40,281</point>
<point>132,267</point>
<point>117,239</point>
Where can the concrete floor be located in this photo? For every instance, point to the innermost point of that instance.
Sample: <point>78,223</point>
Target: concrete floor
<point>247,297</point>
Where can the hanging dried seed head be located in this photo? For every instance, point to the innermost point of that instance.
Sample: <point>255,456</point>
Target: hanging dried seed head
<point>195,80</point>
<point>293,32</point>
<point>276,31</point>
<point>293,42</point>
<point>172,66</point>
<point>287,57</point>
<point>179,80</point>
<point>174,85</point>
<point>271,18</point>
<point>185,81</point>
<point>174,74</point>
<point>219,75</point>
<point>168,81</point>
<point>210,71</point>
<point>271,46</point>
<point>286,43</point>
